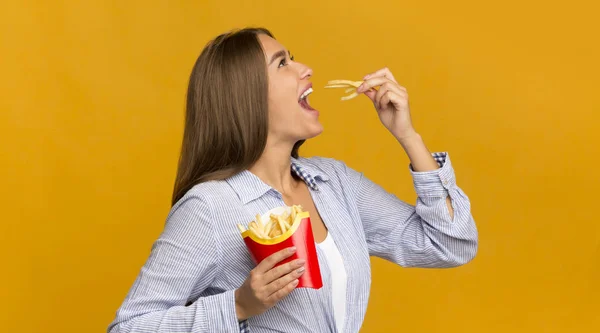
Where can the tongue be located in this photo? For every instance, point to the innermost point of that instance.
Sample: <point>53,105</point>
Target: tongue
<point>305,104</point>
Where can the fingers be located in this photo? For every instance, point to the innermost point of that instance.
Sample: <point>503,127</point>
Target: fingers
<point>273,259</point>
<point>283,281</point>
<point>371,94</point>
<point>283,292</point>
<point>379,81</point>
<point>378,97</point>
<point>385,86</point>
<point>368,84</point>
<point>266,285</point>
<point>383,100</point>
<point>282,270</point>
<point>394,98</point>
<point>384,72</point>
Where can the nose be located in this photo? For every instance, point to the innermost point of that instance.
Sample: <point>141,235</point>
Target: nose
<point>305,72</point>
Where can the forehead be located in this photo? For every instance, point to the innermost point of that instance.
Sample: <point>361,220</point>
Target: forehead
<point>269,45</point>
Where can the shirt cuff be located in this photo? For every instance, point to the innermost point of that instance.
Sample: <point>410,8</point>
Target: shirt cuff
<point>435,183</point>
<point>220,312</point>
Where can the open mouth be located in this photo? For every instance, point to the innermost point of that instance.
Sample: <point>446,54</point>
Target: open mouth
<point>303,100</point>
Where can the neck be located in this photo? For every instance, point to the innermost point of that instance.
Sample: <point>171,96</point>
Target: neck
<point>274,168</point>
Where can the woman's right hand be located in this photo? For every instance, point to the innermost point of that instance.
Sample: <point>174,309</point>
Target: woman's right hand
<point>266,285</point>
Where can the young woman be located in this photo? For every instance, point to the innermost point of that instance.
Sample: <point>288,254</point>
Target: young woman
<point>247,115</point>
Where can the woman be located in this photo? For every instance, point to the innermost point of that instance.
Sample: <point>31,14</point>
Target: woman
<point>246,117</point>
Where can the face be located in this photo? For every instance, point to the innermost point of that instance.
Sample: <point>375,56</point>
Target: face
<point>291,118</point>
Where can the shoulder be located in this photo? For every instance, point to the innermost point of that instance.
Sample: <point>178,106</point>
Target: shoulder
<point>202,196</point>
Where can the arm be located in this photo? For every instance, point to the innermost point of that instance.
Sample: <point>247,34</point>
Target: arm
<point>181,260</point>
<point>425,235</point>
<point>439,231</point>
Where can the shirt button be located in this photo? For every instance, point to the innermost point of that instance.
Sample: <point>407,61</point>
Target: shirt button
<point>445,182</point>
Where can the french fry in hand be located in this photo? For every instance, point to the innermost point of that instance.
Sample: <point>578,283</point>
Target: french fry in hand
<point>350,85</point>
<point>344,83</point>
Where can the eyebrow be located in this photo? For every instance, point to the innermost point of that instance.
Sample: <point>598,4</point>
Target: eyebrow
<point>278,54</point>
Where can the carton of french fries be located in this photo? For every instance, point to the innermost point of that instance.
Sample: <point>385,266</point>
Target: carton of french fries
<point>280,228</point>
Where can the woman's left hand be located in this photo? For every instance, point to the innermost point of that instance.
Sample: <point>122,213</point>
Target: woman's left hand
<point>390,101</point>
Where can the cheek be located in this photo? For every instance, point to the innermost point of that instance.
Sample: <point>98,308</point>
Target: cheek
<point>281,97</point>
<point>275,92</point>
<point>276,106</point>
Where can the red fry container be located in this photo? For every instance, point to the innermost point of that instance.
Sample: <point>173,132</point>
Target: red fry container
<point>299,235</point>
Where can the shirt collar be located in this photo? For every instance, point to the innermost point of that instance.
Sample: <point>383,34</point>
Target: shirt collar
<point>249,187</point>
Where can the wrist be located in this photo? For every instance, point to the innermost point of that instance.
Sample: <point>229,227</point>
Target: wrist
<point>239,310</point>
<point>409,139</point>
<point>417,152</point>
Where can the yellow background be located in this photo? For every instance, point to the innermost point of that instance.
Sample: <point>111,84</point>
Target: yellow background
<point>91,120</point>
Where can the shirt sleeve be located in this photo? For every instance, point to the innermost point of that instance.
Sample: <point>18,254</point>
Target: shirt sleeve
<point>423,235</point>
<point>183,259</point>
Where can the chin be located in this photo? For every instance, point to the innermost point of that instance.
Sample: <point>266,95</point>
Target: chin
<point>314,131</point>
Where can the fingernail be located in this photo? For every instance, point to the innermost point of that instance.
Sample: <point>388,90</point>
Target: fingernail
<point>300,270</point>
<point>366,76</point>
<point>295,283</point>
<point>292,249</point>
<point>360,88</point>
<point>301,261</point>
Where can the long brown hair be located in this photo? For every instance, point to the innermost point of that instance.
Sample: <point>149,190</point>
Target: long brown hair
<point>226,120</point>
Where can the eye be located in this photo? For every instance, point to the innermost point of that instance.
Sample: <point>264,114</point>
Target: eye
<point>282,63</point>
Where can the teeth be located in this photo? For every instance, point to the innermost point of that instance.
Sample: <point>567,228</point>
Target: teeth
<point>306,93</point>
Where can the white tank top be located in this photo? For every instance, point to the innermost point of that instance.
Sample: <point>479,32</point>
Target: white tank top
<point>338,280</point>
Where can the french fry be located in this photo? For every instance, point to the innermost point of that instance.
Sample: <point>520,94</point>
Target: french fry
<point>254,227</point>
<point>293,215</point>
<point>241,227</point>
<point>297,209</point>
<point>281,224</point>
<point>276,224</point>
<point>286,220</point>
<point>345,83</point>
<point>351,85</point>
<point>256,231</point>
<point>336,86</point>
<point>287,224</point>
<point>349,97</point>
<point>275,231</point>
<point>259,221</point>
<point>268,227</point>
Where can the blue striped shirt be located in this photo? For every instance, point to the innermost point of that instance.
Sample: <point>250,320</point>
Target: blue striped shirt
<point>188,281</point>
